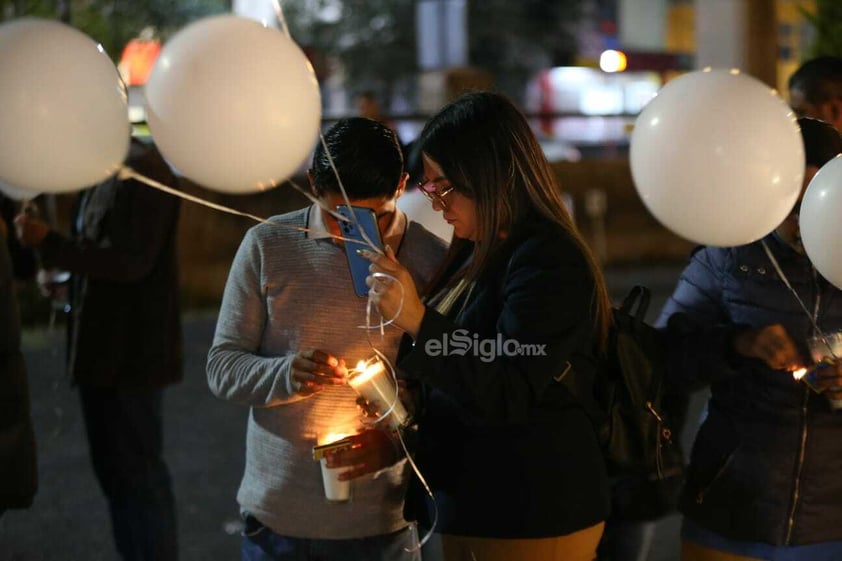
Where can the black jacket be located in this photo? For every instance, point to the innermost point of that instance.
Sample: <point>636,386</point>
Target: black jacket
<point>508,452</point>
<point>18,474</point>
<point>766,463</point>
<point>125,328</point>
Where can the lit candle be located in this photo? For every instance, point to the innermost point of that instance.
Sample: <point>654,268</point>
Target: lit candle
<point>373,382</point>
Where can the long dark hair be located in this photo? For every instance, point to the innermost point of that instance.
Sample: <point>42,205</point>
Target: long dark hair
<point>488,152</point>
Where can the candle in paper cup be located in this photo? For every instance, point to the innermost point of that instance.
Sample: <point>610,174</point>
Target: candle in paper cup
<point>829,346</point>
<point>336,491</point>
<point>373,382</point>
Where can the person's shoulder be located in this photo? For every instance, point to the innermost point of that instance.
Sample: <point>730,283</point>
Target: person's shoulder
<point>548,241</point>
<point>721,256</point>
<point>711,253</point>
<point>288,224</point>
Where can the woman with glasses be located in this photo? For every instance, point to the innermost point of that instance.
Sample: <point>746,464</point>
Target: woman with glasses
<point>511,458</point>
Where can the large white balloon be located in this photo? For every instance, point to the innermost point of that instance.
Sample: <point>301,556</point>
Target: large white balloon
<point>63,111</point>
<point>718,158</point>
<point>820,221</point>
<point>233,105</point>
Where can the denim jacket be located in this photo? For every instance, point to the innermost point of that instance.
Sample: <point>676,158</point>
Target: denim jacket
<point>766,465</point>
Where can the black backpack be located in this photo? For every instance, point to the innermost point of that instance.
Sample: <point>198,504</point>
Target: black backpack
<point>637,418</point>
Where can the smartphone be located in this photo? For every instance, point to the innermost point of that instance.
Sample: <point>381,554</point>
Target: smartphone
<point>364,218</point>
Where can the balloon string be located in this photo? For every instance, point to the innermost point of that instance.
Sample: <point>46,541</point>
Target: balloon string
<point>128,173</point>
<point>279,14</point>
<point>786,282</point>
<point>814,316</point>
<point>353,216</point>
<point>408,455</point>
<point>383,322</point>
<point>429,492</point>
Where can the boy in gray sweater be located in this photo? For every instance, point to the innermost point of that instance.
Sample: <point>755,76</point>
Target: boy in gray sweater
<point>289,323</point>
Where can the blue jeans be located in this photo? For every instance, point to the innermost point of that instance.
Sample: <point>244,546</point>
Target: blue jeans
<point>125,437</point>
<point>262,544</point>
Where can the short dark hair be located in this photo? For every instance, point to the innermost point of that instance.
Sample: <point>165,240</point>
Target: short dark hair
<point>819,79</point>
<point>822,142</point>
<point>366,155</point>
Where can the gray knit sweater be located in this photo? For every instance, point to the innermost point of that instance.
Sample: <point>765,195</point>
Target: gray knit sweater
<point>287,291</point>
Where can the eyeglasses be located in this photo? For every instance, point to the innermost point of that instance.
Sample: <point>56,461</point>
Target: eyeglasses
<point>434,193</point>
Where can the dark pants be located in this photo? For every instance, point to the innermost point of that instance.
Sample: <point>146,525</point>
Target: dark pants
<point>262,544</point>
<point>626,540</point>
<point>125,439</point>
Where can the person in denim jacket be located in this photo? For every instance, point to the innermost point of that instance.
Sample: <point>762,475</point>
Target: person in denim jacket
<point>763,480</point>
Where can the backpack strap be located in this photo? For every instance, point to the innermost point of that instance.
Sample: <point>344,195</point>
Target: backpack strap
<point>639,295</point>
<point>634,306</point>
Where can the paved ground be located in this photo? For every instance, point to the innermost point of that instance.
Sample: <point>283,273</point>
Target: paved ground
<point>204,448</point>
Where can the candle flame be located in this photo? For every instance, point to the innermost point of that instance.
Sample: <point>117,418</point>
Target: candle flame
<point>798,374</point>
<point>364,372</point>
<point>332,437</point>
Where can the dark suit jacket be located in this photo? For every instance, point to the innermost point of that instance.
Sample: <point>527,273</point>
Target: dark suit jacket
<point>508,452</point>
<point>18,477</point>
<point>125,328</point>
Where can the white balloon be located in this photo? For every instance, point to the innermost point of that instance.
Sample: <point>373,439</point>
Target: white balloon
<point>63,111</point>
<point>17,193</point>
<point>717,157</point>
<point>233,105</point>
<point>820,221</point>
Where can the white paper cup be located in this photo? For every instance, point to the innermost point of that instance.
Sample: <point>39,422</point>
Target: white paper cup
<point>335,491</point>
<point>828,346</point>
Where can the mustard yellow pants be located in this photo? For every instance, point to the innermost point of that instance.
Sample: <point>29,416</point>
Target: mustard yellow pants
<point>578,546</point>
<point>691,551</point>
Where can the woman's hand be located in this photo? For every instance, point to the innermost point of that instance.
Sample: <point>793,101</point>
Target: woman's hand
<point>387,294</point>
<point>827,375</point>
<point>313,369</point>
<point>771,344</point>
<point>370,451</point>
